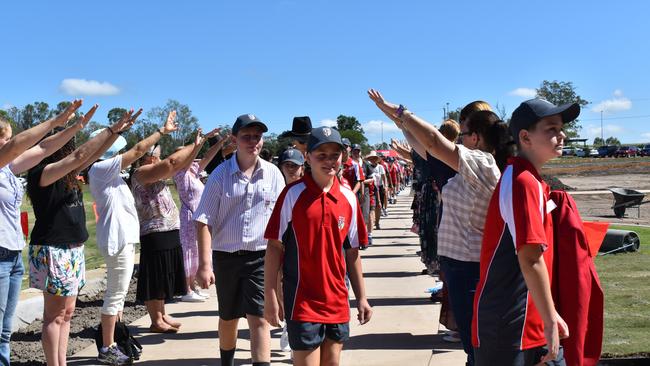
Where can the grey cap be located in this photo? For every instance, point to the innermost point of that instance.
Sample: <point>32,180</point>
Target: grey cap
<point>293,156</point>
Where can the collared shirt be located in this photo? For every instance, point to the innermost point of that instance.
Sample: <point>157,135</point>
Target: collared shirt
<point>238,208</point>
<point>117,221</point>
<point>11,196</point>
<point>315,227</point>
<point>519,214</point>
<point>466,197</point>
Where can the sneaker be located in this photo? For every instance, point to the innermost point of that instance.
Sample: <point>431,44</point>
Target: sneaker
<point>113,356</point>
<point>284,340</point>
<point>192,297</point>
<point>204,295</point>
<point>383,212</point>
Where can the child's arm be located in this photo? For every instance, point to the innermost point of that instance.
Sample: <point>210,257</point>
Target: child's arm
<point>533,267</point>
<point>353,262</point>
<point>272,312</point>
<point>205,274</point>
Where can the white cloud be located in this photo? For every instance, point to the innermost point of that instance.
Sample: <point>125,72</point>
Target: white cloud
<point>6,106</point>
<point>374,127</point>
<point>524,92</point>
<point>78,87</point>
<point>616,104</point>
<point>609,130</point>
<point>328,123</point>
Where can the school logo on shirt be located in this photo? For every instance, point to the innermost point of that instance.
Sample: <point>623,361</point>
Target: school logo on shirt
<point>341,222</point>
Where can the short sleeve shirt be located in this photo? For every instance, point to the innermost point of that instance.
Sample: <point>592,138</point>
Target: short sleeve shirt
<point>117,221</point>
<point>518,215</point>
<point>466,197</point>
<point>156,208</point>
<point>315,228</point>
<point>11,197</point>
<point>59,211</point>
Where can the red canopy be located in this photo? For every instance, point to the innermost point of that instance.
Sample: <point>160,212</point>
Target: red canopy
<point>391,153</point>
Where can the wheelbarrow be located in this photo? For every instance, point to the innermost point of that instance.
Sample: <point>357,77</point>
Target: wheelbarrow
<point>626,198</point>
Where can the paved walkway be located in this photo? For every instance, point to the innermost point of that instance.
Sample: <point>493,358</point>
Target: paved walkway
<point>403,330</point>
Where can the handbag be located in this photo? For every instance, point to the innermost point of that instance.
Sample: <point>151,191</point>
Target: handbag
<point>125,341</point>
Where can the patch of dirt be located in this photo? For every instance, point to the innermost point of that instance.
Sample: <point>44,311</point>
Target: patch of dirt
<point>26,346</point>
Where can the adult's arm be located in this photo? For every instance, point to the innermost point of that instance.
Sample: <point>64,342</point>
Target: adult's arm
<point>425,133</point>
<point>139,149</point>
<point>172,164</point>
<point>26,139</point>
<point>45,148</point>
<point>214,149</point>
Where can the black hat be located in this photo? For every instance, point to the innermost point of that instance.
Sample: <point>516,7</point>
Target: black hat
<point>531,111</point>
<point>323,135</point>
<point>293,156</point>
<point>346,141</point>
<point>356,147</point>
<point>300,129</point>
<point>247,120</point>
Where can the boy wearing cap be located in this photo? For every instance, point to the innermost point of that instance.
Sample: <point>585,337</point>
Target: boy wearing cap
<point>235,207</point>
<point>291,165</point>
<point>515,321</point>
<point>314,234</point>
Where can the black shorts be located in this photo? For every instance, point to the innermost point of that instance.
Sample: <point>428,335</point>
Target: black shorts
<point>305,336</point>
<point>239,278</point>
<point>485,356</point>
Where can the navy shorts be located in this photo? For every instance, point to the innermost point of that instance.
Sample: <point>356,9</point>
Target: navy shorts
<point>305,336</point>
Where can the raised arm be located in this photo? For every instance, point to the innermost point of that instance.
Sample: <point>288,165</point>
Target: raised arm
<point>168,167</point>
<point>55,171</point>
<point>118,127</point>
<point>425,133</point>
<point>214,149</point>
<point>143,146</point>
<point>26,139</point>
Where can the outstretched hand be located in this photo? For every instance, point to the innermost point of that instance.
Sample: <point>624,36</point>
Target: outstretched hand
<point>123,123</point>
<point>199,139</point>
<point>170,125</point>
<point>389,109</point>
<point>213,133</point>
<point>62,118</point>
<point>83,121</point>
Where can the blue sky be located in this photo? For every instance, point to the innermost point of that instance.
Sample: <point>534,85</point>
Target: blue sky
<point>279,59</point>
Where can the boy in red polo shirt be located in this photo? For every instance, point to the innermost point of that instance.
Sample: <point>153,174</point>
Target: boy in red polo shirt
<point>314,233</point>
<point>515,321</point>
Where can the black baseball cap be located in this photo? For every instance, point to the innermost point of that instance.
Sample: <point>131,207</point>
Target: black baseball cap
<point>531,111</point>
<point>323,135</point>
<point>293,156</point>
<point>247,120</point>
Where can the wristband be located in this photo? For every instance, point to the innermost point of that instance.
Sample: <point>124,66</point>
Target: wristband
<point>111,130</point>
<point>400,111</point>
<point>161,133</point>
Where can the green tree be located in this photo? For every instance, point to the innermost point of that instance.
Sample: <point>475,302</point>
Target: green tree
<point>115,114</point>
<point>598,141</point>
<point>612,141</point>
<point>187,124</point>
<point>344,123</point>
<point>561,92</point>
<point>4,116</point>
<point>381,146</point>
<point>455,115</point>
<point>355,137</point>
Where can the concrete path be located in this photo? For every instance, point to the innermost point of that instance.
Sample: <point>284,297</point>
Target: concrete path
<point>403,330</point>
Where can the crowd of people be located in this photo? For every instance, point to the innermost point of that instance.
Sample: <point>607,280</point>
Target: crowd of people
<point>281,242</point>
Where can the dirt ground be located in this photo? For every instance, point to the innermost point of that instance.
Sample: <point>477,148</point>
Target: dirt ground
<point>26,346</point>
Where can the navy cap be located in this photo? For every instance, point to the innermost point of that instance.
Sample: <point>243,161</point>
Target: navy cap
<point>247,120</point>
<point>531,111</point>
<point>293,156</point>
<point>346,141</point>
<point>323,135</point>
<point>356,147</point>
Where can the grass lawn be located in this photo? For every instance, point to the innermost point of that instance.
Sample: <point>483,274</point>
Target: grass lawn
<point>625,279</point>
<point>93,257</point>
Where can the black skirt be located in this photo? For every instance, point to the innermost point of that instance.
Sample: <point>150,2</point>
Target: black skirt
<point>161,273</point>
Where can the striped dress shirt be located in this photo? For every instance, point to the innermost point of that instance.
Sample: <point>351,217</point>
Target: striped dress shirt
<point>237,208</point>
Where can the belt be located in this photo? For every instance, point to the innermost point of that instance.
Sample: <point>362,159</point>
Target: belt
<point>239,253</point>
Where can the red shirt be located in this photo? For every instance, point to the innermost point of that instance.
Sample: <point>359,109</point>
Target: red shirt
<point>350,172</point>
<point>315,228</point>
<point>518,215</point>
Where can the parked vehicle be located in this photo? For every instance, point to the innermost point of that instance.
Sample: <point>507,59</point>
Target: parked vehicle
<point>569,151</point>
<point>627,152</point>
<point>607,151</point>
<point>587,153</point>
<point>645,151</point>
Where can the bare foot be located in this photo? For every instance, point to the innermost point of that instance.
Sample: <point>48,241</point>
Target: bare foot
<point>169,320</point>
